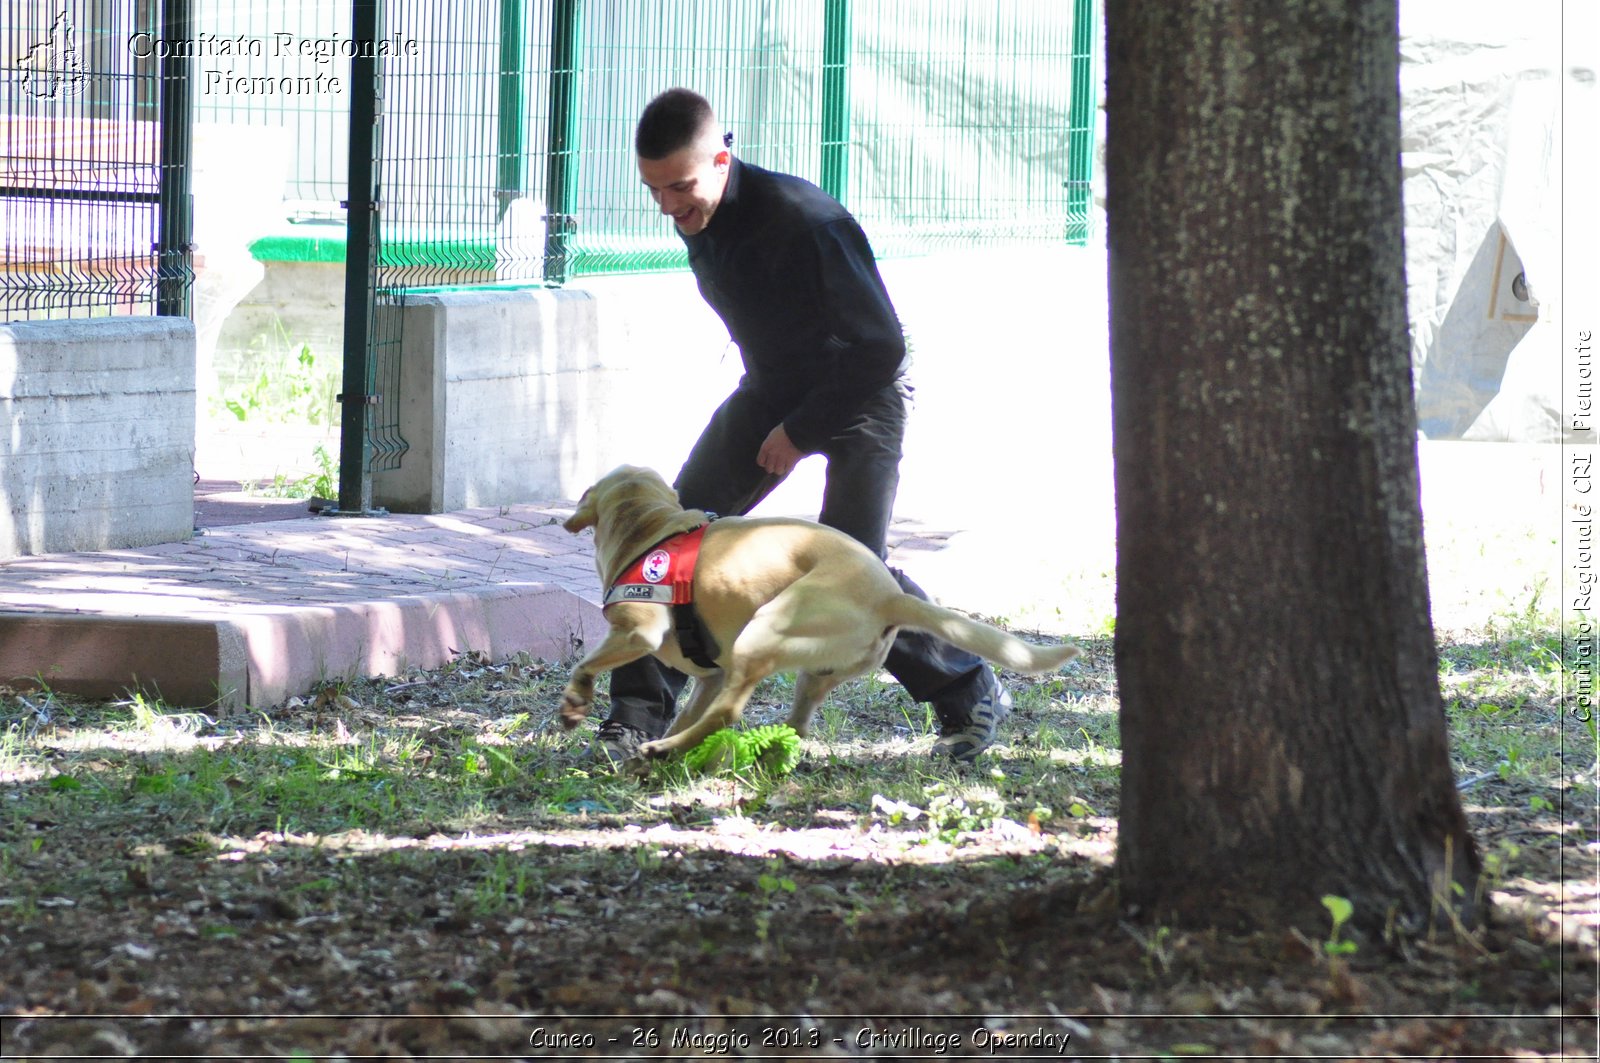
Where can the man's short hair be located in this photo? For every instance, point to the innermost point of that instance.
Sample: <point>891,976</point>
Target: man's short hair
<point>671,122</point>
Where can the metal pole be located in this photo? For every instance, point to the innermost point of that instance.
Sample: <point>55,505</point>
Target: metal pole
<point>355,478</point>
<point>175,203</point>
<point>836,35</point>
<point>1081,108</point>
<point>511,172</point>
<point>562,175</point>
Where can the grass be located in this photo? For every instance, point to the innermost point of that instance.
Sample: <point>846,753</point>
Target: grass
<point>465,773</point>
<point>475,747</point>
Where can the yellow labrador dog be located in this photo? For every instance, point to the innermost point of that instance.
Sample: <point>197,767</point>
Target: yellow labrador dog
<point>775,594</point>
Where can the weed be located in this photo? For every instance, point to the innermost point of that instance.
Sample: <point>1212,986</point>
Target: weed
<point>772,884</point>
<point>1340,910</point>
<point>1156,946</point>
<point>505,883</point>
<point>291,386</point>
<point>14,755</point>
<point>487,763</point>
<point>156,720</point>
<point>324,483</point>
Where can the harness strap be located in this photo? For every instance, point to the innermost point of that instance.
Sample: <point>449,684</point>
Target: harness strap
<point>664,574</point>
<point>693,638</point>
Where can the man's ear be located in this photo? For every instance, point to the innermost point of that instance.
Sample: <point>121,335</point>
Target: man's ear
<point>722,159</point>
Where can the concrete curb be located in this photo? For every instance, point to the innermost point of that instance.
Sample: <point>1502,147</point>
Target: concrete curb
<point>258,657</point>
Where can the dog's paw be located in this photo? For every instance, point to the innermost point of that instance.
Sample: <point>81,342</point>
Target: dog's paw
<point>574,708</point>
<point>660,749</point>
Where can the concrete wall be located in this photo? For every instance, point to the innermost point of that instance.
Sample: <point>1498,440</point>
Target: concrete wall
<point>98,424</point>
<point>530,395</point>
<point>504,398</point>
<point>1011,417</point>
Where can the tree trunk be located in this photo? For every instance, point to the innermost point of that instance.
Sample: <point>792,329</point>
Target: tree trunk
<point>1283,733</point>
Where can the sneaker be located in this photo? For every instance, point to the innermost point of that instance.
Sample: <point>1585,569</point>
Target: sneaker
<point>965,742</point>
<point>615,744</point>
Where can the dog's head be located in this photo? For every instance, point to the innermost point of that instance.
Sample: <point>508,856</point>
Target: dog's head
<point>624,488</point>
<point>630,509</point>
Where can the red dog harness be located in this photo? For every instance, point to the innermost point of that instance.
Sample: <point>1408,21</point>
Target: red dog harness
<point>665,574</point>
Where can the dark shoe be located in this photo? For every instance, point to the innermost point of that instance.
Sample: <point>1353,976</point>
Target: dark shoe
<point>963,742</point>
<point>615,744</point>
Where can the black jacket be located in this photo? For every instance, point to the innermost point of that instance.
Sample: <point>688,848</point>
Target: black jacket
<point>791,274</point>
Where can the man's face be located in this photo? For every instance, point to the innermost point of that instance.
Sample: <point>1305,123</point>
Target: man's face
<point>687,185</point>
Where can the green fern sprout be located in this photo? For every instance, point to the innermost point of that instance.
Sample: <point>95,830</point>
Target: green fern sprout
<point>773,750</point>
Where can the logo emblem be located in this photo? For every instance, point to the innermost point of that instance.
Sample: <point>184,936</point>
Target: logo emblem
<point>53,68</point>
<point>656,566</point>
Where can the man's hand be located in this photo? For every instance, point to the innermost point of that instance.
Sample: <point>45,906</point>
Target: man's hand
<point>778,454</point>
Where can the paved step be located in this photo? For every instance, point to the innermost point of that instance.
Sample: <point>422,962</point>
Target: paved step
<point>253,614</point>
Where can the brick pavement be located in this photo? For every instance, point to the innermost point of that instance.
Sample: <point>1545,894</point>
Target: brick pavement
<point>251,614</point>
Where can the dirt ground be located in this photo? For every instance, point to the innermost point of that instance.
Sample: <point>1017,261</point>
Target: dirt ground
<point>455,883</point>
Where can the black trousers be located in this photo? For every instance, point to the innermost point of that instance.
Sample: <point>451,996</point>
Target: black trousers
<point>863,474</point>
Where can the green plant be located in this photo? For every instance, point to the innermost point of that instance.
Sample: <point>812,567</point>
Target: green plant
<point>153,718</point>
<point>324,483</point>
<point>1340,910</point>
<point>950,815</point>
<point>1157,948</point>
<point>771,884</point>
<point>491,763</point>
<point>505,881</point>
<point>13,749</point>
<point>290,386</point>
<point>771,750</point>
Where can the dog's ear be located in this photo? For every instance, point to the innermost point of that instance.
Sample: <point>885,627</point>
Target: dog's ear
<point>584,516</point>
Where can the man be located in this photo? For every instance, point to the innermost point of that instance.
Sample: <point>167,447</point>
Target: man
<point>791,274</point>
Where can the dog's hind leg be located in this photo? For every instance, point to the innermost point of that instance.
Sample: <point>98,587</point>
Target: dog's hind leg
<point>809,690</point>
<point>637,630</point>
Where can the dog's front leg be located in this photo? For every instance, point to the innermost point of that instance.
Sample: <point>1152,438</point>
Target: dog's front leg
<point>724,711</point>
<point>637,630</point>
<point>706,689</point>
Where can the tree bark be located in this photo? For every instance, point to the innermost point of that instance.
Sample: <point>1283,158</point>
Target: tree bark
<point>1283,733</point>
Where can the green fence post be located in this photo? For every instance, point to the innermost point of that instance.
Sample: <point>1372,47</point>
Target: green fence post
<point>511,171</point>
<point>175,204</point>
<point>562,175</point>
<point>355,480</point>
<point>836,37</point>
<point>1080,123</point>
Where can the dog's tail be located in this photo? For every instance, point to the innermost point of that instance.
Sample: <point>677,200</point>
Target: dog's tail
<point>987,642</point>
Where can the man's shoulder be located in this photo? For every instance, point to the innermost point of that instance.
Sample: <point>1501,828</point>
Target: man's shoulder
<point>773,190</point>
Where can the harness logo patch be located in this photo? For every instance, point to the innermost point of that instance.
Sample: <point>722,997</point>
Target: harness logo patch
<point>656,566</point>
<point>635,591</point>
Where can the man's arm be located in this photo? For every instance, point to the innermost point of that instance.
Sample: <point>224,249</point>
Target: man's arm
<point>863,352</point>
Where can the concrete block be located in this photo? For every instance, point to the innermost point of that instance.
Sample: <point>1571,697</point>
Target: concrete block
<point>98,446</point>
<point>188,662</point>
<point>503,399</point>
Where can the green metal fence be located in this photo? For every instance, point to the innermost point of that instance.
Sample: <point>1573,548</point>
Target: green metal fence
<point>94,161</point>
<point>507,135</point>
<point>506,128</point>
<point>940,123</point>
